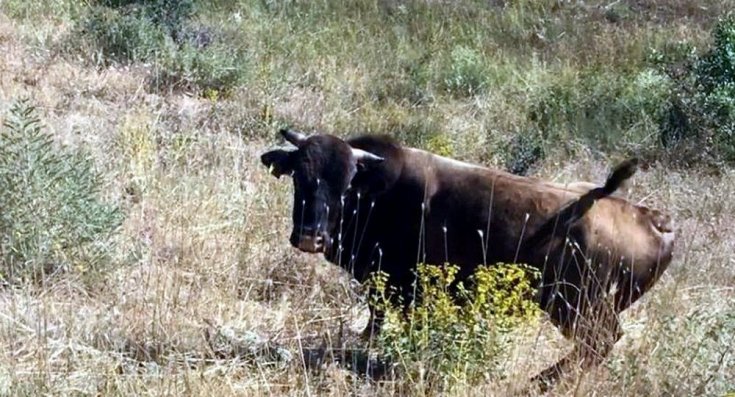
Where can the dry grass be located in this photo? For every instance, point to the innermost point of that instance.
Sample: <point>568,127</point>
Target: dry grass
<point>203,263</point>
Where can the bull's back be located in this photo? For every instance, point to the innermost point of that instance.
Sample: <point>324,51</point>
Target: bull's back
<point>476,215</point>
<point>481,205</point>
<point>480,216</point>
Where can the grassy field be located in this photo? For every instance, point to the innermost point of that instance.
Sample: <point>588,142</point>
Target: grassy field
<point>190,286</point>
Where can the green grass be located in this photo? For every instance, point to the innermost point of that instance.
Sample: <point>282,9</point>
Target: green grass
<point>579,73</point>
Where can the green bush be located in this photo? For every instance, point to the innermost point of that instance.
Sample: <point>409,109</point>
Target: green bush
<point>168,14</point>
<point>51,217</point>
<point>456,333</point>
<point>524,151</point>
<point>699,120</point>
<point>467,73</point>
<point>161,33</point>
<point>715,75</point>
<point>122,37</point>
<point>610,112</point>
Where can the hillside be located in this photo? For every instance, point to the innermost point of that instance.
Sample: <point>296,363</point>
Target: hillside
<point>174,275</point>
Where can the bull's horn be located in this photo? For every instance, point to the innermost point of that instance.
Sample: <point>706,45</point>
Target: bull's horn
<point>365,157</point>
<point>294,137</point>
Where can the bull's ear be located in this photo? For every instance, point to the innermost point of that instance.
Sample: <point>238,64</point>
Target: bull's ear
<point>278,161</point>
<point>365,159</point>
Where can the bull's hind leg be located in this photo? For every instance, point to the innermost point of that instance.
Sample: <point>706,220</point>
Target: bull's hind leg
<point>595,333</point>
<point>632,286</point>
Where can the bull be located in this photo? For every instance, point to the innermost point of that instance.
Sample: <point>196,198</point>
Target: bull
<point>369,203</point>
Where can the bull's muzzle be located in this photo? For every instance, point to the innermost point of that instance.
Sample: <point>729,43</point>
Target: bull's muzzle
<point>308,242</point>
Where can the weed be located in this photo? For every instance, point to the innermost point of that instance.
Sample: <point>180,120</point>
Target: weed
<point>52,218</point>
<point>466,74</point>
<point>456,332</point>
<point>606,112</point>
<point>525,151</point>
<point>160,33</point>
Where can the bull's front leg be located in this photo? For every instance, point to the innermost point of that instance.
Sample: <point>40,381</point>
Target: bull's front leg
<point>378,302</point>
<point>374,323</point>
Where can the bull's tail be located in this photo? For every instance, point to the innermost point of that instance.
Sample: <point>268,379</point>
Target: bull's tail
<point>560,222</point>
<point>620,174</point>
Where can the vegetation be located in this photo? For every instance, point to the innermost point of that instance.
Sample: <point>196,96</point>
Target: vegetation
<point>52,218</point>
<point>455,335</point>
<point>144,249</point>
<point>184,55</point>
<point>701,107</point>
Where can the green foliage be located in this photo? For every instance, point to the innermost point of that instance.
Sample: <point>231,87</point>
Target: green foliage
<point>699,121</point>
<point>715,74</point>
<point>525,150</point>
<point>122,36</point>
<point>605,111</point>
<point>716,69</point>
<point>51,216</point>
<point>467,72</point>
<point>456,332</point>
<point>161,33</point>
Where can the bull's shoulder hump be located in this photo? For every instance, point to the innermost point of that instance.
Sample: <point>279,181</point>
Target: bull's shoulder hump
<point>427,159</point>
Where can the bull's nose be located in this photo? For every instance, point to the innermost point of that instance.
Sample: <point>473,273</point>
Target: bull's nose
<point>311,244</point>
<point>307,240</point>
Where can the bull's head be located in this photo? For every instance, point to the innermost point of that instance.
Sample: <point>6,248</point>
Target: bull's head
<point>322,167</point>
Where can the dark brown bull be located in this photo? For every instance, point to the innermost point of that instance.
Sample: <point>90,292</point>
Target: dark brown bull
<point>370,204</point>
